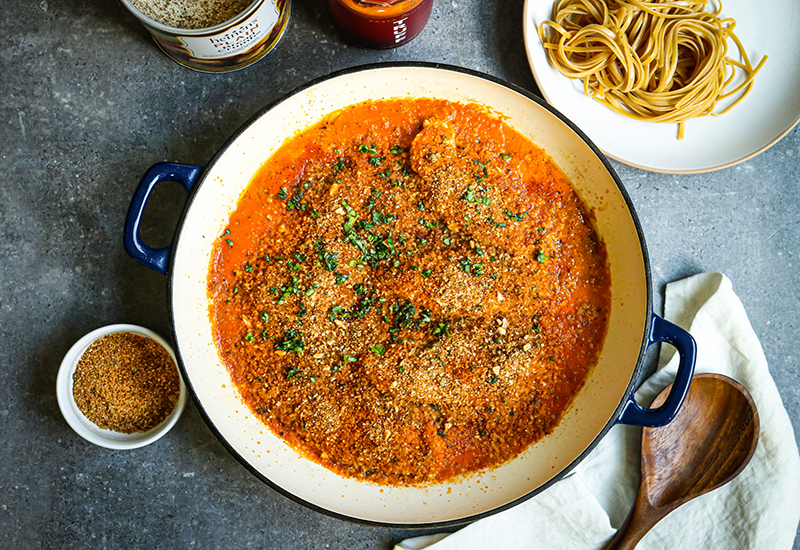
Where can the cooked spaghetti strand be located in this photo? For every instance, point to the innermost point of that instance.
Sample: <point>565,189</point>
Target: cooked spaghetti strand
<point>657,60</point>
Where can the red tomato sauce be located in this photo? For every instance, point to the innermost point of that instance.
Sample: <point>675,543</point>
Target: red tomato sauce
<point>409,290</point>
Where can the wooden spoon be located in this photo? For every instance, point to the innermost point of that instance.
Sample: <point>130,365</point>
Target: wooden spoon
<point>707,444</point>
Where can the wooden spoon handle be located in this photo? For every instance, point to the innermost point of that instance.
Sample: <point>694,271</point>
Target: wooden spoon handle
<point>641,519</point>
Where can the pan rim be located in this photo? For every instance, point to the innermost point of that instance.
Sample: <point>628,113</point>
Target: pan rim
<point>465,519</point>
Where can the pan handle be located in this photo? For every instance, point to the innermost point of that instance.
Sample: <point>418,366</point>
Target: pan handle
<point>156,259</point>
<point>662,330</point>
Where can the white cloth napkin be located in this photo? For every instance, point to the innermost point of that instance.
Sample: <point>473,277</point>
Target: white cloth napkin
<point>759,509</point>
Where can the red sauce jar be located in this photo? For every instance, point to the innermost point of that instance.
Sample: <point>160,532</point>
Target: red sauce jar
<point>381,24</point>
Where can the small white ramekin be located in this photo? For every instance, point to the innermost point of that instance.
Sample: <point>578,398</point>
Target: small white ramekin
<point>85,428</point>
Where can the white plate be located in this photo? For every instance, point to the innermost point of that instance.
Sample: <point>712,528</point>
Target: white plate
<point>768,113</point>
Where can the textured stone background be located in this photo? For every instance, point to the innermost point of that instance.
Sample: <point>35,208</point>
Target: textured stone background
<point>88,103</point>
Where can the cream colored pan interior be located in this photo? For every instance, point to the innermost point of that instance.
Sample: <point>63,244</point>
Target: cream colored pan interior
<point>476,494</point>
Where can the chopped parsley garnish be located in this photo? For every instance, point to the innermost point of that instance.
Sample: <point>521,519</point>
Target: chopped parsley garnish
<point>375,161</point>
<point>441,329</point>
<point>369,150</point>
<point>505,156</point>
<point>470,197</point>
<point>404,314</point>
<point>287,290</point>
<point>339,166</point>
<point>340,278</point>
<point>427,223</point>
<point>351,216</point>
<point>374,248</point>
<point>295,203</point>
<point>426,273</point>
<point>383,250</point>
<point>379,218</point>
<point>230,242</point>
<point>291,372</point>
<point>485,171</point>
<point>541,257</point>
<point>516,217</point>
<point>468,267</point>
<point>335,310</point>
<point>493,379</point>
<point>282,194</point>
<point>329,259</point>
<point>424,315</point>
<point>378,349</point>
<point>357,311</point>
<point>345,359</point>
<point>375,195</point>
<point>292,342</point>
<point>498,224</point>
<point>363,306</point>
<point>265,316</point>
<point>396,150</point>
<point>248,268</point>
<point>293,267</point>
<point>249,337</point>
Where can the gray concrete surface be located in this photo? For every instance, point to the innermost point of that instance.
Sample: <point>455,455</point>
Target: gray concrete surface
<point>87,104</point>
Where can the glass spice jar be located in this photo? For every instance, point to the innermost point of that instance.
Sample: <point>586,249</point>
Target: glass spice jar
<point>380,24</point>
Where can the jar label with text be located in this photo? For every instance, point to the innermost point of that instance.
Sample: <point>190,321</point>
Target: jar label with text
<point>235,40</point>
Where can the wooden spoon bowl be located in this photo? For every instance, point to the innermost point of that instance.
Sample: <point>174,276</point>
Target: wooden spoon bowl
<point>707,444</point>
